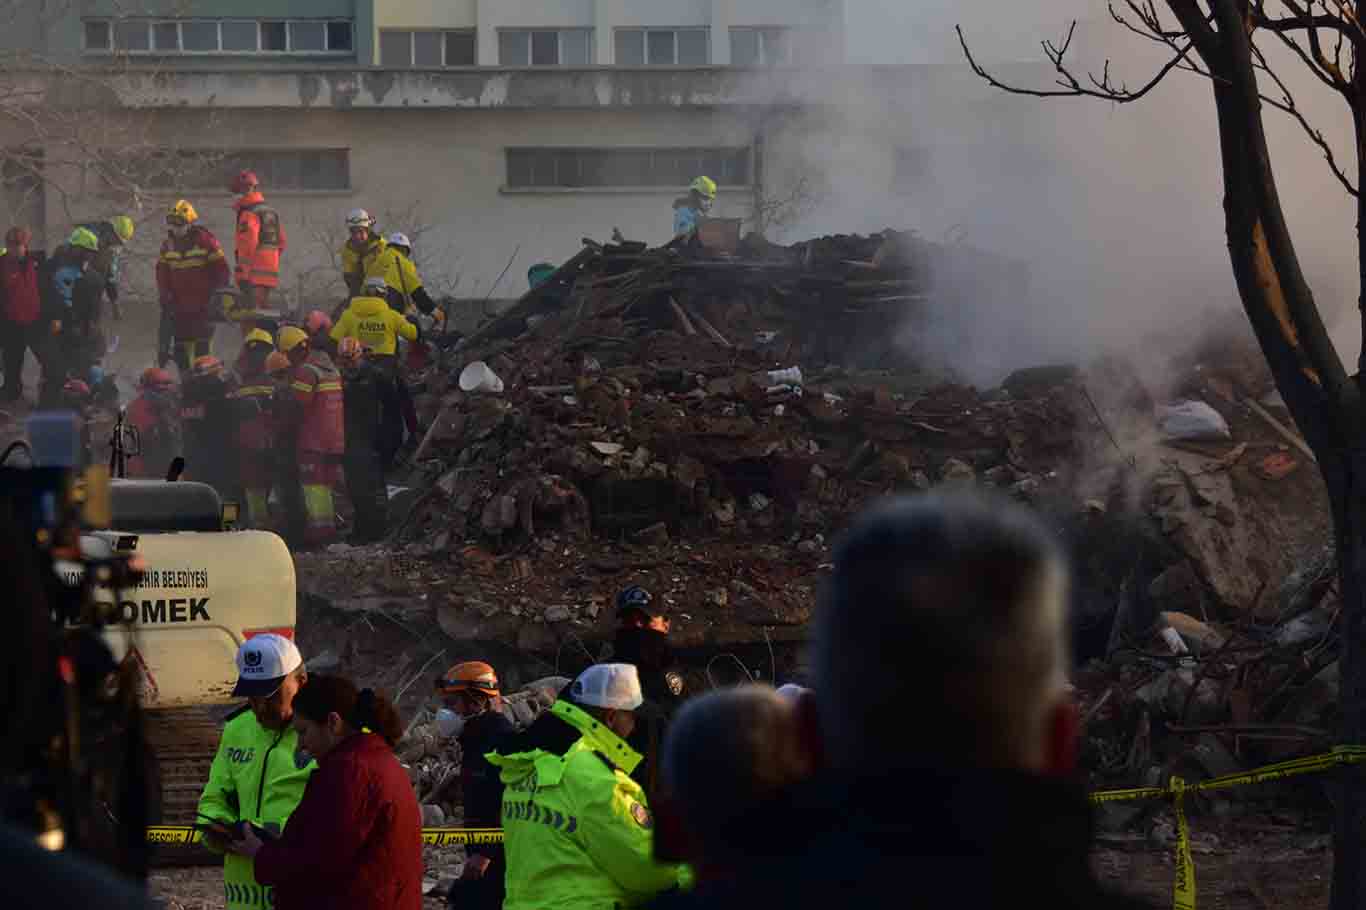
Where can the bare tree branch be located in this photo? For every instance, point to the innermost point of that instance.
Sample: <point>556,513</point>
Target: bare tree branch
<point>1287,104</point>
<point>1071,86</point>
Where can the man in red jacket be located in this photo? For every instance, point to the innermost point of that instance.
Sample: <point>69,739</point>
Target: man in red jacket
<point>156,415</point>
<point>20,330</point>
<point>320,416</point>
<point>191,267</point>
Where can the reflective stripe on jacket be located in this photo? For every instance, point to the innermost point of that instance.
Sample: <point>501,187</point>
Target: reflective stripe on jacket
<point>189,270</point>
<point>577,830</point>
<point>317,391</point>
<point>375,324</point>
<point>253,778</point>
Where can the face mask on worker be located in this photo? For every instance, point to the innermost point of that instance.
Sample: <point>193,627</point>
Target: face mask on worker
<point>449,724</point>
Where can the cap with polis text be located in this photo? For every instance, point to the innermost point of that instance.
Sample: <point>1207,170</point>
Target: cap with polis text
<point>263,663</point>
<point>608,686</point>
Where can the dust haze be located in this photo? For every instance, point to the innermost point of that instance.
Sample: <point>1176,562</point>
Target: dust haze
<point>1117,209</point>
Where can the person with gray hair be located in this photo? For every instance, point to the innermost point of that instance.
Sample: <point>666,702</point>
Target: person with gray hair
<point>726,753</point>
<point>944,724</point>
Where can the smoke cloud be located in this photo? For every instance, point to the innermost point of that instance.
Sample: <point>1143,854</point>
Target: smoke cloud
<point>1117,209</point>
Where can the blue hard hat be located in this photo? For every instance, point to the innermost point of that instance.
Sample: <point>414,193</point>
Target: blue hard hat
<point>634,598</point>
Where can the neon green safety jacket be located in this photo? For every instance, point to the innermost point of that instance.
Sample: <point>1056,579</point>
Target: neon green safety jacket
<point>577,831</point>
<point>253,778</point>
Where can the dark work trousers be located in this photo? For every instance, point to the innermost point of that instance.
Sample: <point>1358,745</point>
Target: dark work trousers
<point>405,403</point>
<point>15,342</point>
<point>291,488</point>
<point>486,893</point>
<point>387,381</point>
<point>364,474</point>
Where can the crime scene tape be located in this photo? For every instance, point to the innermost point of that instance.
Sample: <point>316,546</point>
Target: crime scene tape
<point>1183,891</point>
<point>436,837</point>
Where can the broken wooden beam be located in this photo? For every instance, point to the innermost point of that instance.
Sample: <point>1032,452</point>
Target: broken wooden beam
<point>1285,432</point>
<point>684,323</point>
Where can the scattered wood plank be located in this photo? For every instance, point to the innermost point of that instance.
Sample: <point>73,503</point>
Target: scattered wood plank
<point>683,321</point>
<point>1286,433</point>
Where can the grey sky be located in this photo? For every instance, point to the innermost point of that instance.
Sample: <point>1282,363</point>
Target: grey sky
<point>921,31</point>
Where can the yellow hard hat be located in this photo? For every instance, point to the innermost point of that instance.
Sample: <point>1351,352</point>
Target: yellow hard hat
<point>182,211</point>
<point>704,186</point>
<point>259,336</point>
<point>291,336</point>
<point>84,239</point>
<point>123,227</point>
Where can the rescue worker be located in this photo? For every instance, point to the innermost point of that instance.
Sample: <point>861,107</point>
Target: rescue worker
<point>371,321</point>
<point>577,829</point>
<point>284,436</point>
<point>361,381</point>
<point>260,244</point>
<point>687,209</point>
<point>362,256</point>
<point>408,296</point>
<point>318,411</point>
<point>254,413</point>
<point>255,778</point>
<point>68,313</point>
<point>472,713</point>
<point>113,235</point>
<point>21,329</point>
<point>190,268</point>
<point>207,420</point>
<point>318,325</point>
<point>642,640</point>
<point>155,414</point>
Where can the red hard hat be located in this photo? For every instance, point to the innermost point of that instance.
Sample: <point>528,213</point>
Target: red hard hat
<point>244,180</point>
<point>317,321</point>
<point>75,388</point>
<point>156,378</point>
<point>208,365</point>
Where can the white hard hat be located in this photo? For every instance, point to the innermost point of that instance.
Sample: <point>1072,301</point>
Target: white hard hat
<point>376,283</point>
<point>359,218</point>
<point>398,238</point>
<point>792,691</point>
<point>608,686</point>
<point>263,662</point>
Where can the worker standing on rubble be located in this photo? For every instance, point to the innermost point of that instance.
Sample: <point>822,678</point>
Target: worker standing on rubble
<point>577,829</point>
<point>642,640</point>
<point>155,414</point>
<point>371,321</point>
<point>364,476</point>
<point>319,412</point>
<point>260,244</point>
<point>68,311</point>
<point>113,235</point>
<point>190,268</point>
<point>472,713</point>
<point>285,442</point>
<point>408,296</point>
<point>255,778</point>
<point>21,305</point>
<point>255,427</point>
<point>362,255</point>
<point>687,209</point>
<point>208,422</point>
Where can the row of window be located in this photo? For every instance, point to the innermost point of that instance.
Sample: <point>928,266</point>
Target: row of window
<point>435,48</point>
<point>574,47</point>
<point>527,168</point>
<point>219,36</point>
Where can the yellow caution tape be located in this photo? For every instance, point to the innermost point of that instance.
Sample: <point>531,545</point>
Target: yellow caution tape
<point>1183,892</point>
<point>437,837</point>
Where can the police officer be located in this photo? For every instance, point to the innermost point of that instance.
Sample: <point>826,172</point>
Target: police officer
<point>255,778</point>
<point>472,712</point>
<point>642,639</point>
<point>577,829</point>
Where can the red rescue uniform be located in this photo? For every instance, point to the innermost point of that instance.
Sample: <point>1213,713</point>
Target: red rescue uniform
<point>189,270</point>
<point>256,444</point>
<point>321,413</point>
<point>155,415</point>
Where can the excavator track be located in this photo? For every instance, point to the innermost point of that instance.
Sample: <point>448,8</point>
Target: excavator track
<point>183,741</point>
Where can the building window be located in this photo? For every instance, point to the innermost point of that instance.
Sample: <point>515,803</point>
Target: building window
<point>218,36</point>
<point>625,167</point>
<point>426,48</point>
<point>663,47</point>
<point>545,47</point>
<point>760,46</point>
<point>205,169</point>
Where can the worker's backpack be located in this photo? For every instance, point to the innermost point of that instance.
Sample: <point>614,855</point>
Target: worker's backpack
<point>269,237</point>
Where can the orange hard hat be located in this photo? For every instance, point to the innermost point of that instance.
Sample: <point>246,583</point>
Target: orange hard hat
<point>208,365</point>
<point>473,674</point>
<point>317,321</point>
<point>156,378</point>
<point>276,362</point>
